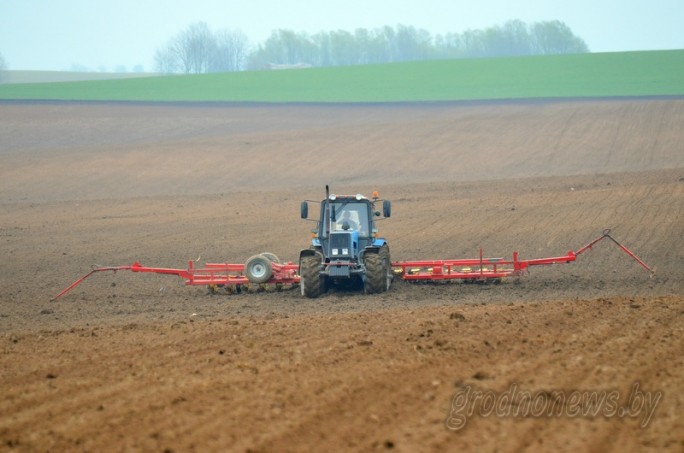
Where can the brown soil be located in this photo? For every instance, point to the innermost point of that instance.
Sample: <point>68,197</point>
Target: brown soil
<point>142,362</point>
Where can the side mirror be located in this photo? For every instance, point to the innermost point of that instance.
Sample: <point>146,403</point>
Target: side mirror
<point>304,210</point>
<point>377,214</point>
<point>386,208</point>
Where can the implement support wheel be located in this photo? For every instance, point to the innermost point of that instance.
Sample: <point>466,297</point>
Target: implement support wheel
<point>258,269</point>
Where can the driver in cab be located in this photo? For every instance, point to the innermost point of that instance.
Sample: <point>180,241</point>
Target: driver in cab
<point>347,223</point>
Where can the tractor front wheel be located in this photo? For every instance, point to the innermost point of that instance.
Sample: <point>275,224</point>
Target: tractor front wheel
<point>311,281</point>
<point>377,273</point>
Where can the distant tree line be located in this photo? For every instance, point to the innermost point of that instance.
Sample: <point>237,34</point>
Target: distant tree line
<point>197,50</point>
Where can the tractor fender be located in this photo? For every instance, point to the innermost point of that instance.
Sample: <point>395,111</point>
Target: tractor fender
<point>378,242</point>
<point>369,249</point>
<point>310,252</point>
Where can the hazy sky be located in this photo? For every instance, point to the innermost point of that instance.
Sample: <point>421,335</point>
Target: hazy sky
<point>104,34</point>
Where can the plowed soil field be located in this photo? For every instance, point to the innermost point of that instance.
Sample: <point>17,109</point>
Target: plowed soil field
<point>582,356</point>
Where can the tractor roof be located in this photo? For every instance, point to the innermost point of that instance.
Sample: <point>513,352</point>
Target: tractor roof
<point>358,197</point>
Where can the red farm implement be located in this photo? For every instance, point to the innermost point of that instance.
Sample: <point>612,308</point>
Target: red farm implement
<point>255,271</point>
<point>483,269</point>
<point>266,269</point>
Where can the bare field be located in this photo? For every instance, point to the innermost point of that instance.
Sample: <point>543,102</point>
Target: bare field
<point>141,362</point>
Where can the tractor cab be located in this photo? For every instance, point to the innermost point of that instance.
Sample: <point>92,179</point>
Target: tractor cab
<point>345,230</point>
<point>347,220</point>
<point>350,216</point>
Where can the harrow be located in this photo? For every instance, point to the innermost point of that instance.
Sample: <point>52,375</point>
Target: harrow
<point>266,269</point>
<point>483,269</point>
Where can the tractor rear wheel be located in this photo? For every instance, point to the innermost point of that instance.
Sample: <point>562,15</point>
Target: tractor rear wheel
<point>310,281</point>
<point>377,273</point>
<point>258,269</point>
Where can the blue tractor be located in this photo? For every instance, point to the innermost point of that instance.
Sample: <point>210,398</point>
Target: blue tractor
<point>345,248</point>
